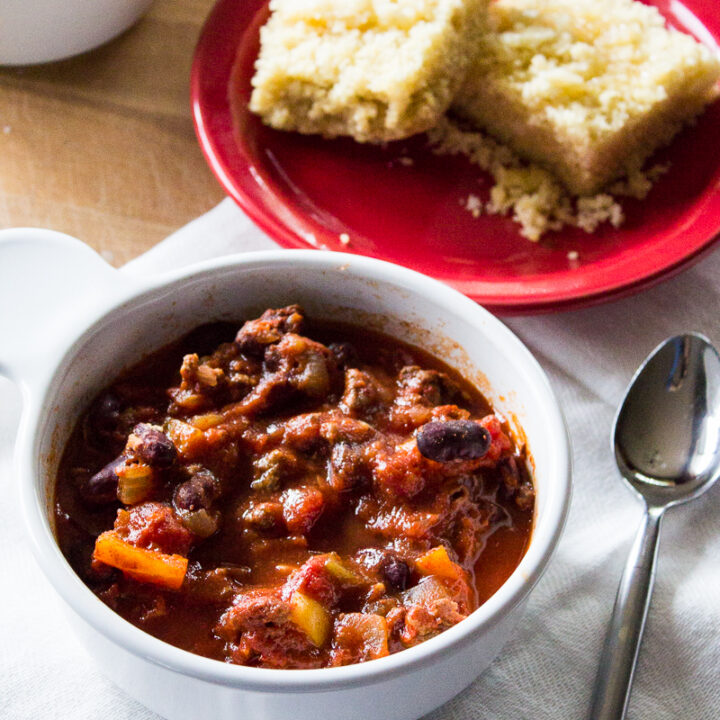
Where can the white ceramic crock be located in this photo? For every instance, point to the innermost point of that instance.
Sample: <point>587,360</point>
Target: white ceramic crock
<point>39,31</point>
<point>69,323</point>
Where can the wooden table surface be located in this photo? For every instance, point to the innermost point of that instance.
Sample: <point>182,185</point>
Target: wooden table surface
<point>102,146</point>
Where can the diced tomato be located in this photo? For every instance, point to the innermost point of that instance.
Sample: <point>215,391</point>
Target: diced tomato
<point>499,441</point>
<point>402,472</point>
<point>155,526</point>
<point>314,580</point>
<point>301,508</point>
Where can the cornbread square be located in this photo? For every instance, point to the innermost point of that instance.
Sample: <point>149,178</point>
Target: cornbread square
<point>375,70</point>
<point>588,88</point>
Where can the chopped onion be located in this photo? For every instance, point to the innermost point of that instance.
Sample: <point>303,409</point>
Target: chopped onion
<point>200,522</point>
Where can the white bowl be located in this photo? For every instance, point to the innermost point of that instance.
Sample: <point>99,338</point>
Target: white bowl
<point>39,31</point>
<point>84,321</point>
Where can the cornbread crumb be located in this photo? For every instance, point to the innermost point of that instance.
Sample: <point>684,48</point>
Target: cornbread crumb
<point>537,200</point>
<point>375,70</point>
<point>573,255</point>
<point>344,239</point>
<point>473,205</point>
<point>637,184</point>
<point>597,209</point>
<point>587,88</point>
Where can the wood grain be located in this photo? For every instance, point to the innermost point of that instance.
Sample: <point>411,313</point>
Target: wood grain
<point>102,146</point>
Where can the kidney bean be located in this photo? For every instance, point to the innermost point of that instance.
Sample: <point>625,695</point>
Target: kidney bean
<point>101,488</point>
<point>198,492</point>
<point>396,573</point>
<point>453,440</point>
<point>154,447</point>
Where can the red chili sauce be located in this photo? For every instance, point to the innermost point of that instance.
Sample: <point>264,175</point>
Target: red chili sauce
<point>304,495</point>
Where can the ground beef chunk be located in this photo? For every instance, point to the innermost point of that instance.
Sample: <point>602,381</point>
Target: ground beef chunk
<point>302,364</point>
<point>199,384</point>
<point>265,518</point>
<point>359,637</point>
<point>309,431</point>
<point>258,630</point>
<point>422,622</point>
<point>256,335</point>
<point>348,467</point>
<point>273,468</point>
<point>362,393</point>
<point>517,481</point>
<point>418,386</point>
<point>303,432</point>
<point>296,367</point>
<point>402,471</point>
<point>420,390</point>
<point>399,523</point>
<point>430,608</point>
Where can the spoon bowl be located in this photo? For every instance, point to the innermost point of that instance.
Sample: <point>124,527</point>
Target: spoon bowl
<point>667,431</point>
<point>666,440</point>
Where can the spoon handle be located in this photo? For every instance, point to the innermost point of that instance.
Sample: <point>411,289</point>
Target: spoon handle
<point>622,642</point>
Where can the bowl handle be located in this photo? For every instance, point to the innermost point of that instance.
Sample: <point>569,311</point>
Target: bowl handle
<point>50,286</point>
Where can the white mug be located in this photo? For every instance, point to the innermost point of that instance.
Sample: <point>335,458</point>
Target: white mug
<point>39,31</point>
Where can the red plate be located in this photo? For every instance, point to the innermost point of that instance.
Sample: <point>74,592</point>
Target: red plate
<point>306,191</point>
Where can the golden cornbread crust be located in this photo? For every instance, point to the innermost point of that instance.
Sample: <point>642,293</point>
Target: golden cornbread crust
<point>588,88</point>
<point>375,70</point>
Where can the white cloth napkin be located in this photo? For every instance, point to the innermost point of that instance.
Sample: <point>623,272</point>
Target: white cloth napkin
<point>547,670</point>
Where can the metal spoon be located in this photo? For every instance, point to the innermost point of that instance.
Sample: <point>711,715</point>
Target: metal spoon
<point>667,446</point>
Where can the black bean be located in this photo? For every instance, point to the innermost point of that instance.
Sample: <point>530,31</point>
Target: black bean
<point>154,447</point>
<point>344,353</point>
<point>105,412</point>
<point>101,488</point>
<point>396,572</point>
<point>198,492</point>
<point>453,440</point>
